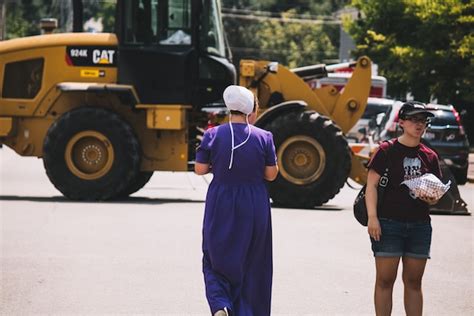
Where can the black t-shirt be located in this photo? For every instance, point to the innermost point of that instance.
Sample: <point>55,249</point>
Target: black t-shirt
<point>405,163</point>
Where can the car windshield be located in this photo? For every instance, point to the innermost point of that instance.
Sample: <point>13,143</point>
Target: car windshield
<point>373,109</point>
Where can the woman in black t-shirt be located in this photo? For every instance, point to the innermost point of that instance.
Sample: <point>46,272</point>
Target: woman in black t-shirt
<point>401,227</point>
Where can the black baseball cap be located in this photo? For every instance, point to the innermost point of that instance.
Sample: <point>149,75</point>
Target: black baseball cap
<point>413,107</point>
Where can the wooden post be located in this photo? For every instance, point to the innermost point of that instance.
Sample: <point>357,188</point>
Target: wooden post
<point>3,23</point>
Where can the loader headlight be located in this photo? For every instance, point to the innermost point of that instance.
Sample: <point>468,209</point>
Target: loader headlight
<point>273,67</point>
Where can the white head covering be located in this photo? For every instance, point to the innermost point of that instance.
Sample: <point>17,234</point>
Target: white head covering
<point>240,99</point>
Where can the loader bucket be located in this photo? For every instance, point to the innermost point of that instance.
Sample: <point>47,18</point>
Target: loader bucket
<point>451,202</point>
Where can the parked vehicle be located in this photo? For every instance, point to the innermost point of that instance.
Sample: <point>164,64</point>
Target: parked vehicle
<point>378,87</point>
<point>445,133</point>
<point>375,106</point>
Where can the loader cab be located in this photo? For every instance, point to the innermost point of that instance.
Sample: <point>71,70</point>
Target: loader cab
<point>173,51</point>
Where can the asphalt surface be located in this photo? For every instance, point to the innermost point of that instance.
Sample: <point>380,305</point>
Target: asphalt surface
<point>470,169</point>
<point>142,255</point>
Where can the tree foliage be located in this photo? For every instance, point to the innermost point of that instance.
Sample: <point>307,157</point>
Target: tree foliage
<point>297,44</point>
<point>23,16</point>
<point>423,47</point>
<point>289,42</point>
<point>292,44</point>
<point>310,7</point>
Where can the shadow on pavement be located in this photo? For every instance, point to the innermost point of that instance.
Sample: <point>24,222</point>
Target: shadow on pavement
<point>329,208</point>
<point>129,200</point>
<point>140,200</point>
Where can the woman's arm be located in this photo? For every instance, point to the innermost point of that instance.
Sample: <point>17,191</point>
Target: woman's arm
<point>201,168</point>
<point>270,172</point>
<point>373,226</point>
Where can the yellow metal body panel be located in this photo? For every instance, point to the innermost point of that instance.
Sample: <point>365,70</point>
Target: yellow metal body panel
<point>165,117</point>
<point>5,126</point>
<point>344,108</point>
<point>247,69</point>
<point>352,102</point>
<point>51,40</point>
<point>52,48</point>
<point>31,118</point>
<point>358,170</point>
<point>285,82</point>
<point>165,150</point>
<point>28,136</point>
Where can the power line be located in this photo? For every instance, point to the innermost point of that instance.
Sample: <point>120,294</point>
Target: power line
<point>273,16</point>
<point>271,51</point>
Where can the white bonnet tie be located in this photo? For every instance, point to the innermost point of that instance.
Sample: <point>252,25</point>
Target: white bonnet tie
<point>239,99</point>
<point>239,145</point>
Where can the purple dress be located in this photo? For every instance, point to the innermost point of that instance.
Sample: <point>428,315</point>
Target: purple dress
<point>237,231</point>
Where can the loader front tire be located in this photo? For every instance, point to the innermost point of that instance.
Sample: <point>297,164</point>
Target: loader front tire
<point>137,183</point>
<point>91,153</point>
<point>313,157</point>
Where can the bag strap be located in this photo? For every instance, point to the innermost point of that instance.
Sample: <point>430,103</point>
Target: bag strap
<point>383,182</point>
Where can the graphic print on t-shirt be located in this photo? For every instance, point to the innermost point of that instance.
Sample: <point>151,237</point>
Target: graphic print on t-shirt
<point>412,167</point>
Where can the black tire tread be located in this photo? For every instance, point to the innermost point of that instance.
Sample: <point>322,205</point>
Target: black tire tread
<point>338,159</point>
<point>126,148</point>
<point>137,183</point>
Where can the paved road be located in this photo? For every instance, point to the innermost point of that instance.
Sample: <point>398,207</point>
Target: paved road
<point>470,170</point>
<point>142,255</point>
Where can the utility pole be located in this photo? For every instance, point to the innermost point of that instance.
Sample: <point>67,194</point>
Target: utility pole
<point>3,15</point>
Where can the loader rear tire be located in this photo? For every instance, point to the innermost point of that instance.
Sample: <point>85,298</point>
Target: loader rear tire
<point>313,156</point>
<point>136,184</point>
<point>91,153</point>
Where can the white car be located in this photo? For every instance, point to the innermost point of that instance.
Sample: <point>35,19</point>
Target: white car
<point>374,107</point>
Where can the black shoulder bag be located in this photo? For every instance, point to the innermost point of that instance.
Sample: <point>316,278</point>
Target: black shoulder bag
<point>360,208</point>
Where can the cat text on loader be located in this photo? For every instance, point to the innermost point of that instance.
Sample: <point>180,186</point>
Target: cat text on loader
<point>104,111</point>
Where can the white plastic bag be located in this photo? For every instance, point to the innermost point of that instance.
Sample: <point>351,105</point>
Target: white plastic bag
<point>428,186</point>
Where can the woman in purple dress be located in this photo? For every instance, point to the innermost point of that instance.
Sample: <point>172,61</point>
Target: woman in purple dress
<point>237,231</point>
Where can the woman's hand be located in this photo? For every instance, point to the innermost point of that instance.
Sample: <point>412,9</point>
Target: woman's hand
<point>373,225</point>
<point>270,173</point>
<point>202,168</point>
<point>374,229</point>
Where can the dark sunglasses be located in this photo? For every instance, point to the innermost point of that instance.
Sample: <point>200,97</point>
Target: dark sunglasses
<point>415,119</point>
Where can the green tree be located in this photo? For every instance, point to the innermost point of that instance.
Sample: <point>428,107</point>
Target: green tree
<point>290,43</point>
<point>16,26</point>
<point>310,7</point>
<point>297,44</point>
<point>23,16</point>
<point>423,47</point>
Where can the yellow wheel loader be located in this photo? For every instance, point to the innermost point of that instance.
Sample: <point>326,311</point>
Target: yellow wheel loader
<point>105,111</point>
<point>308,126</point>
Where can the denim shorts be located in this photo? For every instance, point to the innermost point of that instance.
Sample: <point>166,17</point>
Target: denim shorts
<point>403,239</point>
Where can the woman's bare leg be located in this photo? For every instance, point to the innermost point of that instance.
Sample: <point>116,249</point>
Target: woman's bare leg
<point>413,269</point>
<point>385,278</point>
